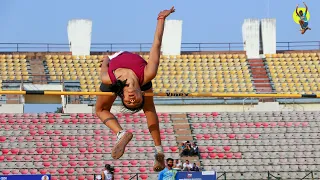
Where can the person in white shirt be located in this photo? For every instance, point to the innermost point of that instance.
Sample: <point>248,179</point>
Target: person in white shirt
<point>187,166</point>
<point>177,165</point>
<point>107,174</point>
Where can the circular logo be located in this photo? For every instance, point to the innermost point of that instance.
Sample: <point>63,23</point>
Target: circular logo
<point>296,18</point>
<point>45,177</point>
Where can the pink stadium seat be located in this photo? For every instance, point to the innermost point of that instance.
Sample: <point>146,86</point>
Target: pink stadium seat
<point>73,163</point>
<point>273,124</point>
<point>9,157</point>
<point>43,171</point>
<point>23,126</point>
<point>50,114</point>
<point>33,171</point>
<point>57,132</point>
<point>36,157</point>
<point>15,171</point>
<point>219,125</point>
<point>24,171</point>
<point>46,164</point>
<point>81,163</point>
<point>204,155</point>
<point>74,121</point>
<point>255,136</point>
<point>199,136</point>
<point>289,124</point>
<point>5,151</point>
<point>81,177</point>
<point>64,163</point>
<point>142,169</point>
<point>297,124</point>
<point>63,178</point>
<point>18,157</point>
<point>89,170</point>
<point>72,177</point>
<point>206,136</point>
<point>126,177</point>
<point>90,163</point>
<point>39,150</point>
<point>61,171</point>
<point>173,149</point>
<point>202,149</point>
<point>304,124</point>
<point>70,170</point>
<point>221,155</point>
<point>210,148</point>
<point>144,176</point>
<point>7,127</point>
<point>2,138</point>
<point>56,150</point>
<point>5,172</point>
<point>229,155</point>
<point>89,177</point>
<point>142,162</point>
<point>45,157</point>
<point>59,121</point>
<point>27,157</point>
<point>215,136</point>
<point>82,121</point>
<point>215,114</point>
<point>237,155</point>
<point>133,162</point>
<point>16,127</point>
<point>54,157</point>
<point>231,136</point>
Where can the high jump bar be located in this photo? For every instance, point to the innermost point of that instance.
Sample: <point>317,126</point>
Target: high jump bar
<point>168,94</point>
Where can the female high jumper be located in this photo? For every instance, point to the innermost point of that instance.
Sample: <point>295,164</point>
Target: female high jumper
<point>303,19</point>
<point>129,75</point>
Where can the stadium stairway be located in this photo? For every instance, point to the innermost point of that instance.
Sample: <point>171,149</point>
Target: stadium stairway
<point>37,71</point>
<point>182,129</point>
<point>260,77</point>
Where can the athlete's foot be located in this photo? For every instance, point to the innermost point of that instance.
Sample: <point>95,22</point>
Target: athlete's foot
<point>309,28</point>
<point>159,164</point>
<point>123,139</point>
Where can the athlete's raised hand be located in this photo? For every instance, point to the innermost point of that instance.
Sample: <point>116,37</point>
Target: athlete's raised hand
<point>165,13</point>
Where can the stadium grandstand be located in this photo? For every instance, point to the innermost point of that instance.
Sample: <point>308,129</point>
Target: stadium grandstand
<point>252,107</point>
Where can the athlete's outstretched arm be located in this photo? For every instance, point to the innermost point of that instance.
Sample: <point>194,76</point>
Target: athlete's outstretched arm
<point>154,57</point>
<point>306,7</point>
<point>297,10</point>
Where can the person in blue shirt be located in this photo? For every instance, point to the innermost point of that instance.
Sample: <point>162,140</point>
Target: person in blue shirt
<point>303,19</point>
<point>168,173</point>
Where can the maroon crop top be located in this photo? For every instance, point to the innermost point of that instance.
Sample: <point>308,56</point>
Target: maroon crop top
<point>130,61</point>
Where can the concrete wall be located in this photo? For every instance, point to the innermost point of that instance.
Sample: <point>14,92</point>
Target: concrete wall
<point>251,37</point>
<point>11,108</point>
<point>172,37</point>
<point>79,35</point>
<point>269,39</point>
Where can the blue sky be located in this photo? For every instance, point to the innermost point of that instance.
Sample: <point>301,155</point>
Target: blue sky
<point>133,21</point>
<point>121,21</point>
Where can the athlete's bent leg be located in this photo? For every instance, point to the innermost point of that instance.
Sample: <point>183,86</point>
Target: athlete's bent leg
<point>153,125</point>
<point>301,22</point>
<point>103,106</point>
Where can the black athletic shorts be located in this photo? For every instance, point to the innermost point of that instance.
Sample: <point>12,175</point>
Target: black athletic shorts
<point>106,88</point>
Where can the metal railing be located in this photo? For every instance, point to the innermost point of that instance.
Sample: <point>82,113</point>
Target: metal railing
<point>144,47</point>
